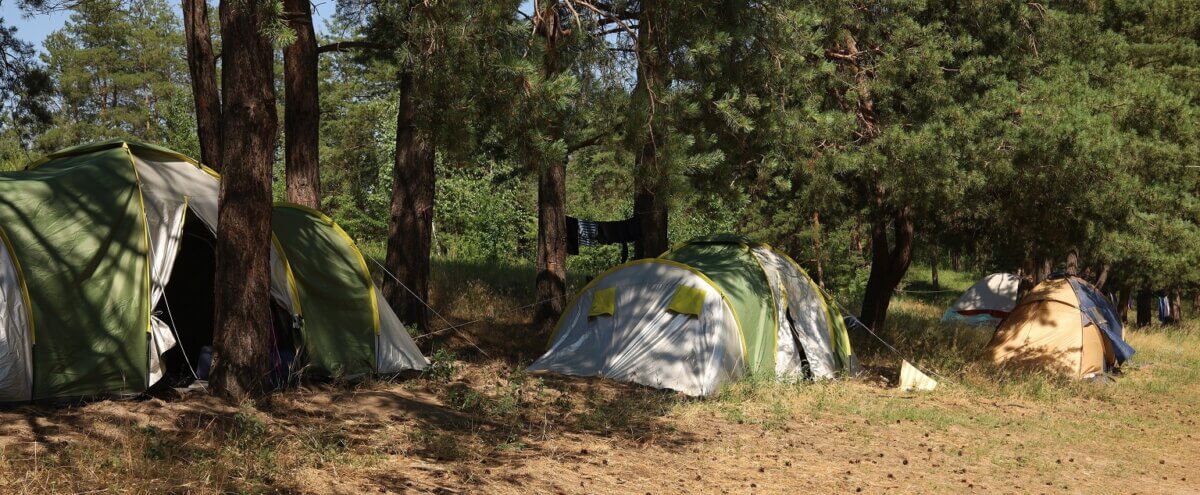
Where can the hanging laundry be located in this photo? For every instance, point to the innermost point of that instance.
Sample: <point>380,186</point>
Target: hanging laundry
<point>599,233</point>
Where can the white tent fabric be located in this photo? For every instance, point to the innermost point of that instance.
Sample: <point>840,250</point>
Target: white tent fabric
<point>16,369</point>
<point>987,302</point>
<point>802,319</point>
<point>395,350</point>
<point>170,187</point>
<point>164,176</point>
<point>644,342</point>
<point>165,181</point>
<point>164,224</point>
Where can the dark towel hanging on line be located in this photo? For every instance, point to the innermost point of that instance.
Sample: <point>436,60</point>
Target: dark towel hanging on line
<point>598,233</point>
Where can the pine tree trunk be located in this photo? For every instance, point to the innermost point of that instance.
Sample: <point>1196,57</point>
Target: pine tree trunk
<point>933,269</point>
<point>302,113</point>
<point>1145,308</point>
<point>202,65</point>
<point>410,227</point>
<point>1073,263</point>
<point>888,265</point>
<point>1176,307</point>
<point>242,332</point>
<point>551,278</point>
<point>1047,267</point>
<point>651,175</point>
<point>816,219</point>
<point>1102,279</point>
<point>1124,296</point>
<point>552,246</point>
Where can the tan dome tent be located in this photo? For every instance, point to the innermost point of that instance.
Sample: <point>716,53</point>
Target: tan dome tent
<point>703,314</point>
<point>987,302</point>
<point>1063,325</point>
<point>106,270</point>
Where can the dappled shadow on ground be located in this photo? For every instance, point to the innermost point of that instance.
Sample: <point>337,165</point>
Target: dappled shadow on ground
<point>486,415</point>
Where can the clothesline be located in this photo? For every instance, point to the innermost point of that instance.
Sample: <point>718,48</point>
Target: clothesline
<point>858,322</point>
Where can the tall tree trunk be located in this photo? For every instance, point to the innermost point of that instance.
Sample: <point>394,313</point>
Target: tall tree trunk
<point>889,263</point>
<point>411,224</point>
<point>302,113</point>
<point>242,333</point>
<point>933,269</point>
<point>651,175</point>
<point>551,278</point>
<point>202,65</point>
<point>1103,277</point>
<point>1124,296</point>
<point>1145,308</point>
<point>816,219</point>
<point>1176,306</point>
<point>1073,262</point>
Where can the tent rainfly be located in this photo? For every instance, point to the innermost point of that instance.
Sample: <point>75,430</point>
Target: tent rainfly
<point>987,302</point>
<point>1064,325</point>
<point>702,315</point>
<point>106,244</point>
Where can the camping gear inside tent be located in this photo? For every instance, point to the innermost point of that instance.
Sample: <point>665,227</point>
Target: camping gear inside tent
<point>94,237</point>
<point>987,302</point>
<point>701,315</point>
<point>1065,325</point>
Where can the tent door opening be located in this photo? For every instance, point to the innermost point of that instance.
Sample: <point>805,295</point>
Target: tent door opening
<point>190,293</point>
<point>805,367</point>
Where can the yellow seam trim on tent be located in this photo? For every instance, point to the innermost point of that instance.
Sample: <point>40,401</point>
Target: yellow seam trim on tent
<point>673,247</point>
<point>182,224</point>
<point>574,302</point>
<point>824,304</point>
<point>774,303</point>
<point>362,261</point>
<point>287,270</point>
<point>21,280</point>
<point>124,144</point>
<point>137,181</point>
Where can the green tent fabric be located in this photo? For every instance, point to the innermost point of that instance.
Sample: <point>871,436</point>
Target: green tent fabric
<point>730,263</point>
<point>91,237</point>
<point>699,316</point>
<point>337,299</point>
<point>78,228</point>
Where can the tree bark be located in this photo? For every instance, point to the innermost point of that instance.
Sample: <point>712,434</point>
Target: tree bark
<point>651,172</point>
<point>888,265</point>
<point>1103,277</point>
<point>816,219</point>
<point>242,330</point>
<point>1124,296</point>
<point>1145,308</point>
<point>302,113</point>
<point>933,269</point>
<point>1176,307</point>
<point>551,278</point>
<point>202,66</point>
<point>410,227</point>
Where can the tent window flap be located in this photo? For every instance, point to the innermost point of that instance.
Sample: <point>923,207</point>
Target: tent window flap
<point>688,301</point>
<point>604,302</point>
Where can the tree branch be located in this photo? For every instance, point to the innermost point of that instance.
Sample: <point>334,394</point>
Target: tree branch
<point>345,46</point>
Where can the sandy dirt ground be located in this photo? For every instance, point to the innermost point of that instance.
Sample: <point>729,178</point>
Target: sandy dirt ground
<point>476,433</point>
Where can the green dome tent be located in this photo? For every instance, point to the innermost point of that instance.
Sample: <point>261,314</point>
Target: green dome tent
<point>701,315</point>
<point>106,265</point>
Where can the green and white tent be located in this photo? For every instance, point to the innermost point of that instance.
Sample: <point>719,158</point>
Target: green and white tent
<point>95,236</point>
<point>701,315</point>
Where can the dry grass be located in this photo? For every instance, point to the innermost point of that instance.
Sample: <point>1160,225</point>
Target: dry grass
<point>480,424</point>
